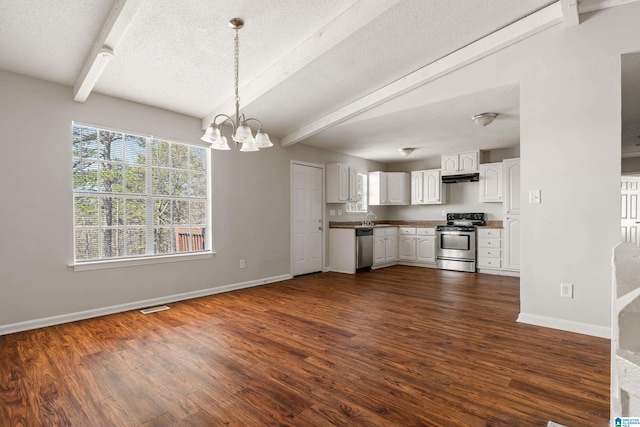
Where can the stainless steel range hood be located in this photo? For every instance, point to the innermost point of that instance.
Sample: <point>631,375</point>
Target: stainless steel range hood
<point>465,177</point>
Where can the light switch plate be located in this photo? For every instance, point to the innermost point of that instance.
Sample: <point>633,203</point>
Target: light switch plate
<point>534,197</point>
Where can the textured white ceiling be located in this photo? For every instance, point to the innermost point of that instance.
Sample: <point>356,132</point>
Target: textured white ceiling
<point>178,55</point>
<point>49,39</point>
<point>433,128</point>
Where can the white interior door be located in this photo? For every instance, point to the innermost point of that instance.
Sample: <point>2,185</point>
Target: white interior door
<point>629,221</point>
<point>306,203</point>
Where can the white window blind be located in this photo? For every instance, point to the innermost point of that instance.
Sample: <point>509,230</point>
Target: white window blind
<point>136,196</point>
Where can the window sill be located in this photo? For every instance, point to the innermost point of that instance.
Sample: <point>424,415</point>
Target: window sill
<point>129,262</point>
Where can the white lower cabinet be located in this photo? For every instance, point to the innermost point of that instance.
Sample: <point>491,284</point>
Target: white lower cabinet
<point>407,244</point>
<point>385,245</point>
<point>490,248</point>
<point>426,249</point>
<point>417,244</point>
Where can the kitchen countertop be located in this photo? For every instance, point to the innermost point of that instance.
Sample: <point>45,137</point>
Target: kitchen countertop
<point>403,223</point>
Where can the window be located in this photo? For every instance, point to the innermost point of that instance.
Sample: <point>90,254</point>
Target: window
<point>137,196</point>
<point>361,204</point>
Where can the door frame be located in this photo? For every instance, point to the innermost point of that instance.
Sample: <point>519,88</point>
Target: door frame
<point>322,213</point>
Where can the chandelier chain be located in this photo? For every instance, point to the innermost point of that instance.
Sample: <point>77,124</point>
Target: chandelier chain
<point>242,134</point>
<point>237,65</point>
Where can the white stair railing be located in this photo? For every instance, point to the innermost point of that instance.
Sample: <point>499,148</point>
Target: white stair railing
<point>625,332</point>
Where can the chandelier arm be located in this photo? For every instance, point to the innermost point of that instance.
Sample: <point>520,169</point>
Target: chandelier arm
<point>255,120</point>
<point>226,119</point>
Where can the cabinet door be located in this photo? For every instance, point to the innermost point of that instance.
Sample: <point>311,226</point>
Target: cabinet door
<point>491,182</point>
<point>417,187</point>
<point>468,162</point>
<point>511,251</point>
<point>432,186</point>
<point>426,249</point>
<point>353,184</point>
<point>392,248</point>
<point>337,188</point>
<point>379,249</point>
<point>449,164</point>
<point>407,248</point>
<point>397,188</point>
<point>512,187</point>
<point>343,182</point>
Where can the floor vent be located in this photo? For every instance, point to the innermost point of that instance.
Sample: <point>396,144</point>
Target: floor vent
<point>154,309</point>
<point>552,424</point>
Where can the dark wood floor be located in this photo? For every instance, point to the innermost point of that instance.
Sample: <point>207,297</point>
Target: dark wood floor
<point>401,346</point>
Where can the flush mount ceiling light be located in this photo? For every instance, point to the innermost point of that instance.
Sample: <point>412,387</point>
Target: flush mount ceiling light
<point>484,119</point>
<point>242,134</point>
<point>406,151</point>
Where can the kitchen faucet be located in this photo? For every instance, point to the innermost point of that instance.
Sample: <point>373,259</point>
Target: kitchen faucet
<point>366,221</point>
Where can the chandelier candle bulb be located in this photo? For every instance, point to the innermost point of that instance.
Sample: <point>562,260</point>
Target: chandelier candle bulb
<point>242,134</point>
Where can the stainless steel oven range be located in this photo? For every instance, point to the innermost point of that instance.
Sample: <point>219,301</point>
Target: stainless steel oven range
<point>456,241</point>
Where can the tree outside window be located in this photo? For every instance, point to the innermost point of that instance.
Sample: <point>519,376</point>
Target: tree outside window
<point>135,195</point>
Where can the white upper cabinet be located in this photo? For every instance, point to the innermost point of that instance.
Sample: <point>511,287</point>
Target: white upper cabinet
<point>457,163</point>
<point>389,188</point>
<point>491,182</point>
<point>512,186</point>
<point>426,187</point>
<point>342,183</point>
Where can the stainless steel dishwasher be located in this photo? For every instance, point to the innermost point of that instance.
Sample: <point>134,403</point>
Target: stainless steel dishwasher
<point>364,249</point>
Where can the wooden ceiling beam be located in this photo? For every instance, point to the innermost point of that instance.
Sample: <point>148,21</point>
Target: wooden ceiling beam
<point>532,24</point>
<point>570,12</point>
<point>113,30</point>
<point>345,25</point>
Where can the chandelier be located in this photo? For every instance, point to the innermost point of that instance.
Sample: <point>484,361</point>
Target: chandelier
<point>242,134</point>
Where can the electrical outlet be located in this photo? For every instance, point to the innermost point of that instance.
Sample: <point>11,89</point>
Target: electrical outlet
<point>566,290</point>
<point>242,264</point>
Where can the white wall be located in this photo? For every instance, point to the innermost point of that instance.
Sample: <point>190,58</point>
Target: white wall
<point>36,210</point>
<point>461,197</point>
<point>570,147</point>
<point>570,150</point>
<point>250,207</point>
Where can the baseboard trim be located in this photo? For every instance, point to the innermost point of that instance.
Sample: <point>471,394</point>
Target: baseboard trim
<point>510,273</point>
<point>566,325</point>
<point>87,314</point>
